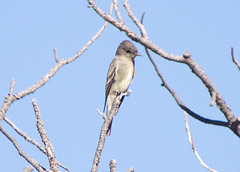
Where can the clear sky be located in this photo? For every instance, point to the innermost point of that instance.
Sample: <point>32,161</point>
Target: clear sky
<point>148,132</point>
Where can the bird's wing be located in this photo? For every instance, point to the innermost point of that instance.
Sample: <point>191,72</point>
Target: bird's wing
<point>110,79</point>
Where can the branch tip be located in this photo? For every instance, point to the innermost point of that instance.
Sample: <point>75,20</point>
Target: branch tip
<point>192,145</point>
<point>186,55</point>
<point>131,169</point>
<point>11,87</point>
<point>214,96</point>
<point>101,113</point>
<point>235,60</point>
<point>112,165</point>
<point>56,55</point>
<point>142,17</point>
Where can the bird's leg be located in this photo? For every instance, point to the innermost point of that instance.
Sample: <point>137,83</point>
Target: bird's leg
<point>126,93</point>
<point>118,93</point>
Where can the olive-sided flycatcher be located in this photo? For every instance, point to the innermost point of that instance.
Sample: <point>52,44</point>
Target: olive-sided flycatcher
<point>120,74</point>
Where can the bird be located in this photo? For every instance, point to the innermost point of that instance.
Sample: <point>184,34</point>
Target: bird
<point>120,74</point>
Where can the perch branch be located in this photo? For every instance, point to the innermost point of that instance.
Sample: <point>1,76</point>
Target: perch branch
<point>105,126</point>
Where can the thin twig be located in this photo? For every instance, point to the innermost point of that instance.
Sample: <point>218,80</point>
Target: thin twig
<point>30,140</point>
<point>135,20</point>
<point>142,17</point>
<point>131,169</point>
<point>56,55</point>
<point>233,124</point>
<point>178,100</point>
<point>45,140</point>
<point>9,99</point>
<point>116,8</point>
<point>63,166</point>
<point>102,114</point>
<point>112,165</point>
<point>192,145</point>
<point>24,135</point>
<point>11,87</point>
<point>33,162</point>
<point>27,169</point>
<point>235,60</point>
<point>213,100</point>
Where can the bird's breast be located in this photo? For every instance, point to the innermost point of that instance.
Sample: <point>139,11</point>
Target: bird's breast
<point>123,76</point>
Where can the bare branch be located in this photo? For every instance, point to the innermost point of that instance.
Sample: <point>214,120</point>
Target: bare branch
<point>115,6</point>
<point>24,135</point>
<point>105,126</point>
<point>131,169</point>
<point>30,140</point>
<point>56,55</point>
<point>33,162</point>
<point>142,40</point>
<point>9,99</point>
<point>27,169</point>
<point>142,17</point>
<point>192,145</point>
<point>45,140</point>
<point>188,60</point>
<point>112,165</point>
<point>64,167</point>
<point>213,100</point>
<point>179,102</point>
<point>101,113</point>
<point>235,60</point>
<point>11,87</point>
<point>135,20</point>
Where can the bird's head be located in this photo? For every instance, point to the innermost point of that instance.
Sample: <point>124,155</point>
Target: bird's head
<point>128,49</point>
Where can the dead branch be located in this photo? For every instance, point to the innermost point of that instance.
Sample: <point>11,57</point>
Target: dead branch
<point>192,145</point>
<point>105,126</point>
<point>112,165</point>
<point>24,135</point>
<point>178,100</point>
<point>27,169</point>
<point>130,169</point>
<point>33,162</point>
<point>9,99</point>
<point>186,59</point>
<point>234,59</point>
<point>45,140</point>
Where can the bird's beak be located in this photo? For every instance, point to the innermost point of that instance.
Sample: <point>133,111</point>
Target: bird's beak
<point>138,54</point>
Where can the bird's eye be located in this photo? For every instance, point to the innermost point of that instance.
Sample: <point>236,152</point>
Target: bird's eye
<point>128,51</point>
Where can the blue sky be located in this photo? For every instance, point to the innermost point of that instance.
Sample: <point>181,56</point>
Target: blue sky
<point>148,132</point>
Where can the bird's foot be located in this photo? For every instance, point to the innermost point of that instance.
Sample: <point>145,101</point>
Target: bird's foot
<point>126,93</point>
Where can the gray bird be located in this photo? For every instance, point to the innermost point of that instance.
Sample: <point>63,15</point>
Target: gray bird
<point>120,74</point>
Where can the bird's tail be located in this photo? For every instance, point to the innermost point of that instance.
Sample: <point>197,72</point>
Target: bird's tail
<point>108,110</point>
